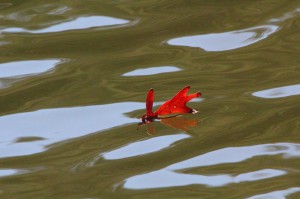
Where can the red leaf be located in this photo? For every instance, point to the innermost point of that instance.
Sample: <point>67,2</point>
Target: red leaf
<point>177,105</point>
<point>174,106</point>
<point>149,115</point>
<point>149,102</point>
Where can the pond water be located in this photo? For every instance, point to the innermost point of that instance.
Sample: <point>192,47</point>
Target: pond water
<point>73,81</point>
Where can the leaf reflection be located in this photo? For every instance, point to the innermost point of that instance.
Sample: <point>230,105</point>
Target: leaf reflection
<point>181,123</point>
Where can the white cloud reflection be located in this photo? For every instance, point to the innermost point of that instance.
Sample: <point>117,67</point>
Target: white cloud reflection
<point>12,72</point>
<point>171,176</point>
<point>166,178</point>
<point>75,24</point>
<point>235,39</point>
<point>8,172</point>
<point>279,92</point>
<point>280,194</point>
<point>69,123</point>
<point>226,40</point>
<point>238,154</point>
<point>144,147</point>
<point>27,68</point>
<point>152,71</point>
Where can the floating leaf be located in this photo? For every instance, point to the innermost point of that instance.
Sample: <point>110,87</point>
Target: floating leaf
<point>175,106</point>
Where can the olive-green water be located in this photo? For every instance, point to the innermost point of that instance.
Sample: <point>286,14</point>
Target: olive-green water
<point>73,81</point>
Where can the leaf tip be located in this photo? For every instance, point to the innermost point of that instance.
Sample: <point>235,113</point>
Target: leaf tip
<point>199,94</point>
<point>194,111</point>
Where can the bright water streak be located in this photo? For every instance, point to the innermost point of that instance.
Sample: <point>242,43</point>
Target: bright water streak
<point>69,123</point>
<point>75,24</point>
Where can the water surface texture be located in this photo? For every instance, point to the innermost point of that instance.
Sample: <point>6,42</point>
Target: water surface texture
<point>73,80</point>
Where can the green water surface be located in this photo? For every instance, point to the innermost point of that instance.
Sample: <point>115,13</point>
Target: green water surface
<point>73,80</point>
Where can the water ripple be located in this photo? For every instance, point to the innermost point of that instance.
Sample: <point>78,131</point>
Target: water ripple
<point>5,5</point>
<point>28,13</point>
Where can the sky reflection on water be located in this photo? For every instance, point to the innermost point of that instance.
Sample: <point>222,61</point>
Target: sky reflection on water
<point>238,154</point>
<point>152,71</point>
<point>75,24</point>
<point>27,68</point>
<point>279,92</point>
<point>280,194</point>
<point>144,147</point>
<point>241,55</point>
<point>172,177</point>
<point>169,178</point>
<point>69,123</point>
<point>226,40</point>
<point>12,72</point>
<point>7,172</point>
<point>233,39</point>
